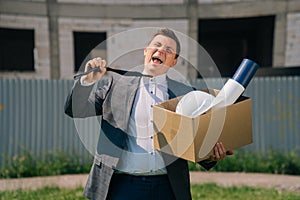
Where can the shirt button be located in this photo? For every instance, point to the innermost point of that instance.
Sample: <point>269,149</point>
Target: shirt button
<point>151,121</point>
<point>151,137</point>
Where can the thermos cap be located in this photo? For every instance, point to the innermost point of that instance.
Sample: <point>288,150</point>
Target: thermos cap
<point>245,72</point>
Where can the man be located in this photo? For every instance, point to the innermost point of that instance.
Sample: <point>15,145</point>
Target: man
<point>126,166</point>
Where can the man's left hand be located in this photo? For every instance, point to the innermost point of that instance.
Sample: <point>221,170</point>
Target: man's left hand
<point>219,152</point>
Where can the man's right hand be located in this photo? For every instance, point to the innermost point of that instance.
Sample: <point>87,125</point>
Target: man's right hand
<point>94,76</point>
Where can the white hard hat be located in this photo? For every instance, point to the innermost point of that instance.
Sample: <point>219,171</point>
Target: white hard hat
<point>194,103</point>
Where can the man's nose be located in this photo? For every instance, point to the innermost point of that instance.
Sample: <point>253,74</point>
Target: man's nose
<point>161,49</point>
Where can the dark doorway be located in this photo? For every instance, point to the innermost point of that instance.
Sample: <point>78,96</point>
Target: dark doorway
<point>228,41</point>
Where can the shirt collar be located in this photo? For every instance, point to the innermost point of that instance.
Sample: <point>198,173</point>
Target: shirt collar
<point>161,79</point>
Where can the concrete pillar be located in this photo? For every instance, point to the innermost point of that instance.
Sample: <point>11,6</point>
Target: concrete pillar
<point>279,40</point>
<point>193,33</point>
<point>52,9</point>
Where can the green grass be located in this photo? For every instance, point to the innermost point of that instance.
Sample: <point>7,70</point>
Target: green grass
<point>205,191</point>
<point>213,192</point>
<point>49,193</point>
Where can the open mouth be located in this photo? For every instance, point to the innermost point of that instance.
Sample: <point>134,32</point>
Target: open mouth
<point>156,60</point>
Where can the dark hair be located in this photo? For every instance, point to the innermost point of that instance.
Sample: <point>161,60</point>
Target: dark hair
<point>168,33</point>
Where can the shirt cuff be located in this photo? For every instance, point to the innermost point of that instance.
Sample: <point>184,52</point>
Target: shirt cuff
<point>84,83</point>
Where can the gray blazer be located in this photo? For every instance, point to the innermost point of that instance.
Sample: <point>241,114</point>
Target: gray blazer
<point>113,98</point>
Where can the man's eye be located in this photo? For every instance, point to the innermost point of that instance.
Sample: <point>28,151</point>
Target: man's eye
<point>169,50</point>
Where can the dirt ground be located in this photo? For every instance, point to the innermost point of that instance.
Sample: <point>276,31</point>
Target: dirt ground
<point>280,182</point>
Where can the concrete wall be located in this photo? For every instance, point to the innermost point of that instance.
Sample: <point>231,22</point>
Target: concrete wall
<point>123,1</point>
<point>135,41</point>
<point>54,20</point>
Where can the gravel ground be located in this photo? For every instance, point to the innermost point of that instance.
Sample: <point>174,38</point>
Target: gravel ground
<point>280,182</point>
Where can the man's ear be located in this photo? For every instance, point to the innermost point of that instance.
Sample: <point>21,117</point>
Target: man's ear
<point>174,62</point>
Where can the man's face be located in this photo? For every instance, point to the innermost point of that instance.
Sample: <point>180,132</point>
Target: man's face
<point>160,55</point>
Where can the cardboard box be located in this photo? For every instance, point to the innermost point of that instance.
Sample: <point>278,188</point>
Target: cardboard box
<point>193,138</point>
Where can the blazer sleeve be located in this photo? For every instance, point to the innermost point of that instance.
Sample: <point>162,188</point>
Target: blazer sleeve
<point>207,164</point>
<point>86,101</point>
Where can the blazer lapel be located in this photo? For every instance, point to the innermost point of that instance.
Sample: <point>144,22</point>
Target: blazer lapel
<point>132,87</point>
<point>125,90</point>
<point>176,88</point>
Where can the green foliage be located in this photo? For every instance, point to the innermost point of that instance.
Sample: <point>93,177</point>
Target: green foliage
<point>51,163</point>
<point>57,163</point>
<point>244,161</point>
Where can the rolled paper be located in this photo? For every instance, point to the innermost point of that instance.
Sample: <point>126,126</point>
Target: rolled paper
<point>245,72</point>
<point>235,86</point>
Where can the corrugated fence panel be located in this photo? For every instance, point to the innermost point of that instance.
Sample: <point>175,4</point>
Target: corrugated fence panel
<point>32,116</point>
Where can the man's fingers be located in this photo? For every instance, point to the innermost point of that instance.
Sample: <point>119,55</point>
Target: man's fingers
<point>99,62</point>
<point>89,65</point>
<point>217,155</point>
<point>103,63</point>
<point>229,152</point>
<point>222,150</point>
<point>96,62</point>
<point>92,64</point>
<point>219,152</point>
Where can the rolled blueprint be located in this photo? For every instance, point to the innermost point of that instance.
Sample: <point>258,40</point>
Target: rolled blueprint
<point>194,104</point>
